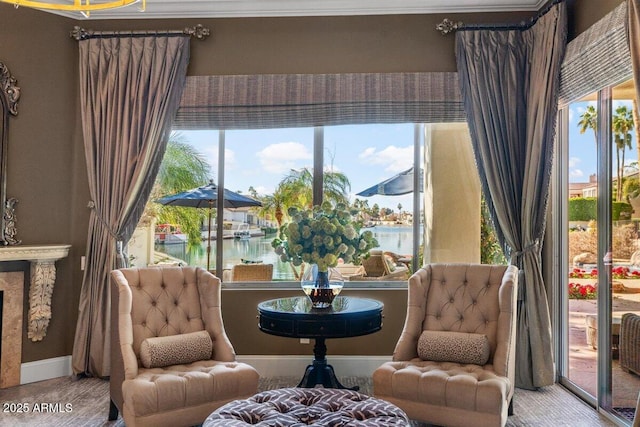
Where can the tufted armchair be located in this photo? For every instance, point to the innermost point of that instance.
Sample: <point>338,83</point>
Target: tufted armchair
<point>171,361</point>
<point>454,362</point>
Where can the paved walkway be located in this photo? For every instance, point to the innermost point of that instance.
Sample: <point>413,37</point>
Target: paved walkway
<point>582,358</point>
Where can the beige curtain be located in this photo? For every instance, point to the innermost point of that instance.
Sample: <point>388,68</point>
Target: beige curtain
<point>509,80</point>
<point>130,89</point>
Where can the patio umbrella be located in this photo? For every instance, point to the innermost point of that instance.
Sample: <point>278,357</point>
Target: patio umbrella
<point>397,185</point>
<point>206,197</point>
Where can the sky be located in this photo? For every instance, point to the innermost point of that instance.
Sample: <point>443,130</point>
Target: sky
<point>367,154</point>
<point>582,147</point>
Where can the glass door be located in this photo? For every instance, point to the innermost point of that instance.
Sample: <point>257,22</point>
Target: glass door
<point>598,166</point>
<point>580,284</point>
<point>625,272</point>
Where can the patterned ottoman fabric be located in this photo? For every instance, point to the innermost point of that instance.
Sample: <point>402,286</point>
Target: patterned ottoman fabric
<point>308,406</point>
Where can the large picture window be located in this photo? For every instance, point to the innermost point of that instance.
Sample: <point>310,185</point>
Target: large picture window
<point>370,168</point>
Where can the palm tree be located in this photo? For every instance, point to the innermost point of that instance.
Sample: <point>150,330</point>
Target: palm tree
<point>299,186</point>
<point>362,209</point>
<point>182,168</point>
<point>275,205</point>
<point>622,125</point>
<point>375,211</point>
<point>296,189</point>
<point>589,120</point>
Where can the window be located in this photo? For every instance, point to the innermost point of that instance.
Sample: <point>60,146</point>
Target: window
<point>444,215</point>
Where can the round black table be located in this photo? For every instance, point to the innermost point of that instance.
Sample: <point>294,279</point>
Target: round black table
<point>295,318</point>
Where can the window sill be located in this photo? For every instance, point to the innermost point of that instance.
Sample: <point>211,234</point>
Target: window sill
<point>382,285</point>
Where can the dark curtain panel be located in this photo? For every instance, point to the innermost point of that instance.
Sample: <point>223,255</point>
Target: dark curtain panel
<point>130,89</point>
<point>509,82</point>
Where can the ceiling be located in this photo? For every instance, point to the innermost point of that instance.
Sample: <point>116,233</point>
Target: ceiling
<point>257,8</point>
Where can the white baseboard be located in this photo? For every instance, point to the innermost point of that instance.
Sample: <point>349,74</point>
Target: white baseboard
<point>40,370</point>
<point>267,366</point>
<point>277,366</point>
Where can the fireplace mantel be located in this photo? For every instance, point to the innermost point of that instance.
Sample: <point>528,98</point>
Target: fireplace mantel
<point>43,277</point>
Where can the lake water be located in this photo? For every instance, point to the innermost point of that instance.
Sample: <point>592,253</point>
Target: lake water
<point>396,239</point>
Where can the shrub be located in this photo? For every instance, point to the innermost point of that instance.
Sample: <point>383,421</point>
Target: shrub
<point>578,291</point>
<point>631,187</point>
<point>583,241</point>
<point>578,273</point>
<point>582,208</point>
<point>621,211</point>
<point>624,237</point>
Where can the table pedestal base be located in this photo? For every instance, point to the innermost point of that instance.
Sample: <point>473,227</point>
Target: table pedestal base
<point>320,372</point>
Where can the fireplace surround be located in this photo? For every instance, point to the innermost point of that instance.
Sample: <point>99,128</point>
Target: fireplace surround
<point>42,260</point>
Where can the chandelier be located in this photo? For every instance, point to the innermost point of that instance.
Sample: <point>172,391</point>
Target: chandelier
<point>82,6</point>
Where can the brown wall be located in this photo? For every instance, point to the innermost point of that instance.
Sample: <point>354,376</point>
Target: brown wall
<point>46,158</point>
<point>240,322</point>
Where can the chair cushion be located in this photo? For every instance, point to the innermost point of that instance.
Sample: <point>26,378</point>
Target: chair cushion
<point>451,385</point>
<point>183,386</point>
<point>458,347</point>
<point>158,352</point>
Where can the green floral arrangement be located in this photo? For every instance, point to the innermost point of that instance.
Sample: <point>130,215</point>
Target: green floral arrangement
<point>322,236</point>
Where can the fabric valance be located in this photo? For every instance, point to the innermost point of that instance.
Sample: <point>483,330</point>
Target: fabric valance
<point>597,58</point>
<point>296,100</point>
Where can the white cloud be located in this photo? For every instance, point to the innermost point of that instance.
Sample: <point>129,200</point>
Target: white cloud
<point>576,173</point>
<point>230,162</point>
<point>395,159</point>
<point>574,161</point>
<point>281,157</point>
<point>261,189</point>
<point>367,152</point>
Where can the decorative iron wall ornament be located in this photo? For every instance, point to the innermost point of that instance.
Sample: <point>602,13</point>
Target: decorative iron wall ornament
<point>448,26</point>
<point>9,95</point>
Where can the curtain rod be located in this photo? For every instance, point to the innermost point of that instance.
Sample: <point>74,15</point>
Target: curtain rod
<point>448,26</point>
<point>198,32</point>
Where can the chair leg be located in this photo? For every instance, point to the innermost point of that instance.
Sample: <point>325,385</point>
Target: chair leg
<point>510,410</point>
<point>113,411</point>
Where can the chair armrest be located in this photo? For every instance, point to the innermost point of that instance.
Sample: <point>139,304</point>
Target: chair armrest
<point>125,328</point>
<point>407,345</point>
<point>210,301</point>
<point>504,356</point>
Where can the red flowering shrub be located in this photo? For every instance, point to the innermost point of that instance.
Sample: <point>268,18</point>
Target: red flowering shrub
<point>578,291</point>
<point>620,272</point>
<point>624,273</point>
<point>578,273</point>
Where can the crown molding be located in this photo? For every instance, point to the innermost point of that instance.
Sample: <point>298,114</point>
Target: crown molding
<point>163,9</point>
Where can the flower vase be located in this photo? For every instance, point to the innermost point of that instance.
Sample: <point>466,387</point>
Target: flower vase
<point>321,286</point>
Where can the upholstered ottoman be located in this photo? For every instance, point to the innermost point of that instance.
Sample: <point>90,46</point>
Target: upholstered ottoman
<point>308,406</point>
